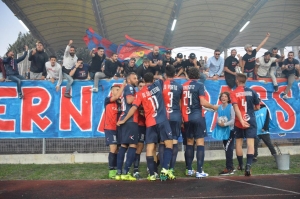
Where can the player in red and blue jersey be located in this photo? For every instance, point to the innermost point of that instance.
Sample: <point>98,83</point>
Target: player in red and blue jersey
<point>245,101</point>
<point>194,123</point>
<point>172,93</point>
<point>157,125</point>
<point>109,126</point>
<point>129,131</point>
<point>142,134</point>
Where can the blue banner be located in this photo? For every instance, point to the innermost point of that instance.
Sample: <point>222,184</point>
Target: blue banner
<point>45,113</point>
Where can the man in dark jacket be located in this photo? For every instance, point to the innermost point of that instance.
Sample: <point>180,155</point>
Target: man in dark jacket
<point>112,67</point>
<point>11,69</point>
<point>38,60</point>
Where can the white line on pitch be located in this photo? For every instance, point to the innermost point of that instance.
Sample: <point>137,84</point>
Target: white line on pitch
<point>267,187</point>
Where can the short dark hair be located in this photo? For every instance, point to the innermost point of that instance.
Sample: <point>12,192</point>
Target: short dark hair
<point>267,53</point>
<point>275,48</point>
<point>39,42</point>
<point>132,59</point>
<point>100,47</point>
<point>217,50</point>
<point>52,56</point>
<point>114,54</point>
<point>170,71</point>
<point>129,74</point>
<point>193,73</point>
<point>141,81</point>
<point>146,60</point>
<point>225,93</point>
<point>149,77</point>
<point>291,52</point>
<point>8,52</point>
<point>79,59</point>
<point>241,78</point>
<point>72,47</point>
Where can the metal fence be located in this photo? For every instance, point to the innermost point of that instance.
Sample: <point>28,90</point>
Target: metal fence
<point>89,145</point>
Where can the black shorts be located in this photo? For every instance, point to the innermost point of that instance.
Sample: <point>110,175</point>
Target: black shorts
<point>110,137</point>
<point>119,133</point>
<point>129,133</point>
<point>175,128</point>
<point>158,133</point>
<point>250,132</point>
<point>195,129</point>
<point>142,134</point>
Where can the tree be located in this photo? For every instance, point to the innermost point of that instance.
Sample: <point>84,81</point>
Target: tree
<point>22,40</point>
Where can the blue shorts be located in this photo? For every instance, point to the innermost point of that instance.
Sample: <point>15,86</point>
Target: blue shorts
<point>250,132</point>
<point>195,129</point>
<point>119,135</point>
<point>110,137</point>
<point>158,133</point>
<point>175,128</point>
<point>142,134</point>
<point>129,133</point>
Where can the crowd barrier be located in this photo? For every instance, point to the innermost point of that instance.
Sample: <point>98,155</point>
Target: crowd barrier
<point>45,113</point>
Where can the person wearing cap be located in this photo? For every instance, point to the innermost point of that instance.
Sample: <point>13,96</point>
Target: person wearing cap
<point>263,66</point>
<point>248,60</point>
<point>215,65</point>
<point>289,67</point>
<point>178,64</point>
<point>167,61</point>
<point>155,58</point>
<point>192,62</point>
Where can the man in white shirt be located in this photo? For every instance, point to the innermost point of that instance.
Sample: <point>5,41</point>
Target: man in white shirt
<point>215,65</point>
<point>53,71</point>
<point>69,61</point>
<point>263,65</point>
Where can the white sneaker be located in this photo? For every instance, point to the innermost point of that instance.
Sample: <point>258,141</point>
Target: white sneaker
<point>191,173</point>
<point>201,175</point>
<point>156,175</point>
<point>285,96</point>
<point>94,90</point>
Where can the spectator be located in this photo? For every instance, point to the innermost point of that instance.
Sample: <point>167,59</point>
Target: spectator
<point>262,121</point>
<point>289,69</point>
<point>95,68</point>
<point>129,67</point>
<point>215,65</point>
<point>11,69</point>
<point>263,66</point>
<point>112,67</point>
<point>178,64</point>
<point>247,63</point>
<point>2,71</point>
<point>229,69</point>
<point>53,71</point>
<point>69,61</point>
<point>167,61</point>
<point>192,62</point>
<point>273,69</point>
<point>144,68</point>
<point>155,58</point>
<point>38,59</point>
<point>80,70</point>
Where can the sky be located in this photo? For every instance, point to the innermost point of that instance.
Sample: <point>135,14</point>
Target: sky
<point>11,28</point>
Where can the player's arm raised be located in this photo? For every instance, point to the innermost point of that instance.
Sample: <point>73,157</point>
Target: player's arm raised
<point>114,98</point>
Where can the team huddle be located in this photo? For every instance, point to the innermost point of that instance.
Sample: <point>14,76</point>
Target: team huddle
<point>158,112</point>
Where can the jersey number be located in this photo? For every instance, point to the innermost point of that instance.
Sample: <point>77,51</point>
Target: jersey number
<point>170,104</point>
<point>187,96</point>
<point>154,102</point>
